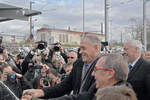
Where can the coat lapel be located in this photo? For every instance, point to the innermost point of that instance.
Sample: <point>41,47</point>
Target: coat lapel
<point>88,78</point>
<point>135,68</point>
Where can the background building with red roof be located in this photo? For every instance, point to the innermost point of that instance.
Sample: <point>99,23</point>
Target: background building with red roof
<point>69,37</point>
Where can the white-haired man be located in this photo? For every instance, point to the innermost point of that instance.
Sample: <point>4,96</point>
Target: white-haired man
<point>139,75</point>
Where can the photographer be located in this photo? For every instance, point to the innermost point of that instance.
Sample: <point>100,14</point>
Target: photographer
<point>56,47</point>
<point>42,80</point>
<point>19,60</point>
<point>29,57</point>
<point>6,56</point>
<point>54,76</point>
<point>15,82</point>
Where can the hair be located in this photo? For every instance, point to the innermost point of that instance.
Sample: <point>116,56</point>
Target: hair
<point>68,64</point>
<point>72,51</point>
<point>136,43</point>
<point>119,64</point>
<point>116,93</point>
<point>54,72</point>
<point>3,66</point>
<point>92,39</point>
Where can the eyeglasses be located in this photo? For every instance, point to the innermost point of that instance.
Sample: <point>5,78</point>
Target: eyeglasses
<point>70,57</point>
<point>105,69</point>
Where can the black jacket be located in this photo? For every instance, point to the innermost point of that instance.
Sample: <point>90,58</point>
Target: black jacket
<point>73,82</point>
<point>26,61</point>
<point>139,77</point>
<point>5,93</point>
<point>17,86</point>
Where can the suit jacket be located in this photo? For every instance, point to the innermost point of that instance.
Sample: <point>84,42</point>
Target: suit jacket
<point>72,82</point>
<point>139,77</point>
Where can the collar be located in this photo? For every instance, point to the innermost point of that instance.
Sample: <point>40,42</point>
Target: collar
<point>135,61</point>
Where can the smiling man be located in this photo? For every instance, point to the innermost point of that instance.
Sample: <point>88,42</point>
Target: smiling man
<point>80,78</point>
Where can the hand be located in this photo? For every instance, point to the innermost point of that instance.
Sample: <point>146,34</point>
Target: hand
<point>5,53</point>
<point>61,49</point>
<point>26,97</point>
<point>18,75</point>
<point>34,93</point>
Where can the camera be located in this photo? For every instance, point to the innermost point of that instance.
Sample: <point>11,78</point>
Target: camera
<point>11,77</point>
<point>64,76</point>
<point>1,40</point>
<point>41,45</point>
<point>57,46</point>
<point>46,80</point>
<point>34,65</point>
<point>1,49</point>
<point>21,55</point>
<point>104,43</point>
<point>103,46</point>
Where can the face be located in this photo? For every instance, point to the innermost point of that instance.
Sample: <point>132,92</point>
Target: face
<point>68,70</point>
<point>100,75</point>
<point>129,52</point>
<point>53,77</point>
<point>87,50</point>
<point>44,69</point>
<point>54,57</point>
<point>72,57</point>
<point>60,63</point>
<point>6,71</point>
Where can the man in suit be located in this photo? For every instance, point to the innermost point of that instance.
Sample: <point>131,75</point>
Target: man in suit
<point>139,75</point>
<point>79,80</point>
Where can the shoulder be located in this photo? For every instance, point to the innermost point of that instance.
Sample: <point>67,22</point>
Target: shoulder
<point>79,61</point>
<point>145,62</point>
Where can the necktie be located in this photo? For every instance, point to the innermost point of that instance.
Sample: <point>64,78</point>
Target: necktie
<point>130,67</point>
<point>85,68</point>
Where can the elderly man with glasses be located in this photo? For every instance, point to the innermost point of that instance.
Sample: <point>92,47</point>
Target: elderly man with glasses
<point>111,70</point>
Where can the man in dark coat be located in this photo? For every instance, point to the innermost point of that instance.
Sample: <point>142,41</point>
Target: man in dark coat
<point>139,75</point>
<point>14,81</point>
<point>80,79</point>
<point>6,93</point>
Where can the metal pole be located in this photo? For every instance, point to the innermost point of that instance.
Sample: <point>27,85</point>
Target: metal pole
<point>30,38</point>
<point>102,28</point>
<point>83,20</point>
<point>144,25</point>
<point>106,21</point>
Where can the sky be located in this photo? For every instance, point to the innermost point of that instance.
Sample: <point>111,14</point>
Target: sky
<point>61,14</point>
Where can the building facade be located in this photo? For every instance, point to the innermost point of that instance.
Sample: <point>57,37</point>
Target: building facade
<point>12,38</point>
<point>62,36</point>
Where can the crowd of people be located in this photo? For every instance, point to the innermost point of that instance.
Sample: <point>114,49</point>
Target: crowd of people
<point>86,74</point>
<point>34,71</point>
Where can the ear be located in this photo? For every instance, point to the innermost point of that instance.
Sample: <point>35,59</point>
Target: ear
<point>111,74</point>
<point>137,49</point>
<point>96,46</point>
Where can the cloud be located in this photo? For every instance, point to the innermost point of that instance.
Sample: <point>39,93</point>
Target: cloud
<point>64,13</point>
